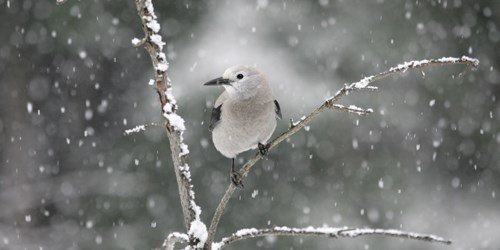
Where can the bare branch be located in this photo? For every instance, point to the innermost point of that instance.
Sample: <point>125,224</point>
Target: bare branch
<point>323,232</point>
<point>363,84</point>
<point>174,125</point>
<point>174,238</point>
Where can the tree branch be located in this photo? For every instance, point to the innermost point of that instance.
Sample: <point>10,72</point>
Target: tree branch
<point>329,103</point>
<point>322,232</point>
<point>174,124</point>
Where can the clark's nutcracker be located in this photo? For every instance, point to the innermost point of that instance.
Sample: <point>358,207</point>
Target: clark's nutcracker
<point>244,116</point>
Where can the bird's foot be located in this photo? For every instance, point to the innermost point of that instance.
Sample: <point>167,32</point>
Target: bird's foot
<point>263,149</point>
<point>236,179</point>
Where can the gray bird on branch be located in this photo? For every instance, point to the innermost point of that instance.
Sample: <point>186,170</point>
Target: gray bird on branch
<point>244,116</point>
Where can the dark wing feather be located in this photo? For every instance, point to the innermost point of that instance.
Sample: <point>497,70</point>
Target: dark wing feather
<point>214,120</point>
<point>277,109</point>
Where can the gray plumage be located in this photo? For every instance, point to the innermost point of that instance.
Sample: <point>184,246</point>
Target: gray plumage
<point>245,114</point>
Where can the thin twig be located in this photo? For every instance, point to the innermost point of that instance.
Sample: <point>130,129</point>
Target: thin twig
<point>143,127</point>
<point>352,109</point>
<point>356,232</point>
<point>174,125</point>
<point>323,232</point>
<point>470,62</point>
<point>363,84</point>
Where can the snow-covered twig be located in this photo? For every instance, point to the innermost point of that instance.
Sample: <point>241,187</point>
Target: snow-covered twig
<point>135,129</point>
<point>471,62</point>
<point>59,2</point>
<point>356,232</point>
<point>174,238</point>
<point>140,128</point>
<point>174,126</point>
<point>330,232</point>
<point>352,109</point>
<point>363,84</point>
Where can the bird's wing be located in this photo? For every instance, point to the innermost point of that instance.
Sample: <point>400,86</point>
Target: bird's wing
<point>217,110</point>
<point>214,120</point>
<point>277,109</point>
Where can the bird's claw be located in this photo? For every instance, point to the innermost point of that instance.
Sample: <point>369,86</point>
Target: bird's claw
<point>236,179</point>
<point>262,149</point>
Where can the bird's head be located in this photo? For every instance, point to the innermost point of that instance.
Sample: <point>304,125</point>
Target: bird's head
<point>240,81</point>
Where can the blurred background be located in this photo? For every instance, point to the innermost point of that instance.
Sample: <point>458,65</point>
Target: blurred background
<point>427,160</point>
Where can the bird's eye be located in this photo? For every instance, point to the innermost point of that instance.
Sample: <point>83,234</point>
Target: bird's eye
<point>239,76</point>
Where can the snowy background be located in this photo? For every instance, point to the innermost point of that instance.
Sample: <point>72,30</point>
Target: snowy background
<point>427,160</point>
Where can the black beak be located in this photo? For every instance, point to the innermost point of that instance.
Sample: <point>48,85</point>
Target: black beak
<point>217,81</point>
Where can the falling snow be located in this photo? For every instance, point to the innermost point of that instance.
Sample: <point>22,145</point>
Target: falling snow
<point>73,85</point>
<point>29,107</point>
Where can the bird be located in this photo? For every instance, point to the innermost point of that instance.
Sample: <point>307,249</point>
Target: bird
<point>244,116</point>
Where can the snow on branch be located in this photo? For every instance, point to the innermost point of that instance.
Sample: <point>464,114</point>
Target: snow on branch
<point>471,62</point>
<point>356,232</point>
<point>174,126</point>
<point>352,109</point>
<point>140,128</point>
<point>329,103</point>
<point>174,238</point>
<point>135,129</point>
<point>330,232</point>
